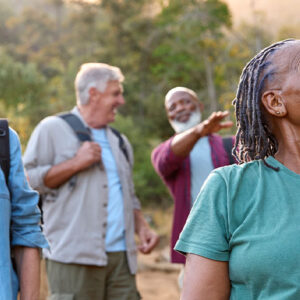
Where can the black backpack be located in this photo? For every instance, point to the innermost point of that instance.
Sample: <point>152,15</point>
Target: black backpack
<point>228,145</point>
<point>4,148</point>
<point>83,133</point>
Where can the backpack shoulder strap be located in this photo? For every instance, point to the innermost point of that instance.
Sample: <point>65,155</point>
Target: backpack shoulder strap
<point>227,143</point>
<point>121,142</point>
<point>76,124</point>
<point>4,148</point>
<point>84,134</point>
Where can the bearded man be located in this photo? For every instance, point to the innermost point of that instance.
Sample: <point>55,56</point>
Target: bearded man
<point>185,160</point>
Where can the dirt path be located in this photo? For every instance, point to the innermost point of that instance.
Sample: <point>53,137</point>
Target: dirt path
<point>157,285</point>
<point>157,278</point>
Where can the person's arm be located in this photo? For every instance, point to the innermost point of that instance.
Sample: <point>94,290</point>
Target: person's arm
<point>164,161</point>
<point>205,240</point>
<point>25,230</point>
<point>148,238</point>
<point>88,154</point>
<point>205,279</point>
<point>28,270</point>
<point>183,143</point>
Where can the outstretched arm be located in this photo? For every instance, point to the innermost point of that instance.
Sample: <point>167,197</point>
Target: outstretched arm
<point>164,161</point>
<point>183,143</point>
<point>205,279</point>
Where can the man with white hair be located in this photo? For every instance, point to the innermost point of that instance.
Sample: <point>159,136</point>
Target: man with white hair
<point>90,209</point>
<point>185,160</point>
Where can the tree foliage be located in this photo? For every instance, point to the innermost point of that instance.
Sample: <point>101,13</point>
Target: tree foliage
<point>157,44</point>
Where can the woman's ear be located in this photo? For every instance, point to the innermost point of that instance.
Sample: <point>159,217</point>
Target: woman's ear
<point>273,103</point>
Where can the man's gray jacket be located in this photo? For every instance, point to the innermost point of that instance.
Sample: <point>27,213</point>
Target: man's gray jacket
<point>75,214</point>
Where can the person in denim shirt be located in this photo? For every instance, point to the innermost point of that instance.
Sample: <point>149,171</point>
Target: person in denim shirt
<point>20,232</point>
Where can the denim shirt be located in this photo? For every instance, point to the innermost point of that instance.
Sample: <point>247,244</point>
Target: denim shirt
<point>19,218</point>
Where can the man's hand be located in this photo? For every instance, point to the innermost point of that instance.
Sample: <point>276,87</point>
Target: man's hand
<point>213,123</point>
<point>148,238</point>
<point>183,143</point>
<point>88,154</point>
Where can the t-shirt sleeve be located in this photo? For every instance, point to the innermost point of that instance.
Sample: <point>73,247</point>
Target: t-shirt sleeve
<point>206,230</point>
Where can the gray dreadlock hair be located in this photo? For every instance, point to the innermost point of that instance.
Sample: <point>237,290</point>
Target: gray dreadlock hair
<point>254,139</point>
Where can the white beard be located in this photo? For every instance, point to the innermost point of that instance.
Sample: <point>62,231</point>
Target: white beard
<point>195,118</point>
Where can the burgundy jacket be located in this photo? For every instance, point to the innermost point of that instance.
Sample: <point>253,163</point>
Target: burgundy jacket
<point>175,171</point>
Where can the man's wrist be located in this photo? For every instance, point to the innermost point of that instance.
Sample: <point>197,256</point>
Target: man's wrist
<point>140,222</point>
<point>75,165</point>
<point>199,131</point>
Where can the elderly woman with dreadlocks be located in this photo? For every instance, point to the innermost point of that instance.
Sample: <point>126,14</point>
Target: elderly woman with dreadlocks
<point>242,236</point>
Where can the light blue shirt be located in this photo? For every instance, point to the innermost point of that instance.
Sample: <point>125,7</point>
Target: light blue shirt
<point>19,218</point>
<point>201,166</point>
<point>115,233</point>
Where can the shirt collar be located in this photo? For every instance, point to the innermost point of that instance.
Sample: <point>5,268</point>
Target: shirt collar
<point>77,113</point>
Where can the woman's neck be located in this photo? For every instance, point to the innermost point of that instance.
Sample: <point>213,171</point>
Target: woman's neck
<point>289,152</point>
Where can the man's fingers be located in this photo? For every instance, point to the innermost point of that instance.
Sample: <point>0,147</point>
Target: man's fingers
<point>89,153</point>
<point>222,114</point>
<point>226,124</point>
<point>91,147</point>
<point>218,115</point>
<point>96,151</point>
<point>95,146</point>
<point>146,248</point>
<point>148,240</point>
<point>151,243</point>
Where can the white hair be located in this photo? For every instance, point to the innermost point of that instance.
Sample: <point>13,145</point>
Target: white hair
<point>180,89</point>
<point>194,119</point>
<point>94,75</point>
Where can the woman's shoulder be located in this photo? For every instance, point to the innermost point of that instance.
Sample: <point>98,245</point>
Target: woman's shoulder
<point>236,171</point>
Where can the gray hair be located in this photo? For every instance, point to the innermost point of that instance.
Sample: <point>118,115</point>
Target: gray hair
<point>94,75</point>
<point>180,89</point>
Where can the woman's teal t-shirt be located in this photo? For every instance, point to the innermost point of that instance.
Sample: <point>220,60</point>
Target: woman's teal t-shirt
<point>249,215</point>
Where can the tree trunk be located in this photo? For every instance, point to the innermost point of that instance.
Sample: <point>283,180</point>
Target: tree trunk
<point>211,89</point>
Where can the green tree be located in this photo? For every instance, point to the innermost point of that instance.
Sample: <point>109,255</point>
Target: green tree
<point>22,94</point>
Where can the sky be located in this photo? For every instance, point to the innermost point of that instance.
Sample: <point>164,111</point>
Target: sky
<point>277,13</point>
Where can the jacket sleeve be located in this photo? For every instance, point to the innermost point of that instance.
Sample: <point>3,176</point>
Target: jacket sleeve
<point>25,215</point>
<point>164,161</point>
<point>38,158</point>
